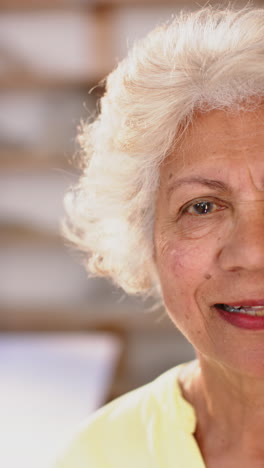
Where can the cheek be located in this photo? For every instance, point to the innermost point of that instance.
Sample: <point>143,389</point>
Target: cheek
<point>182,276</point>
<point>179,280</point>
<point>186,263</point>
<point>182,269</point>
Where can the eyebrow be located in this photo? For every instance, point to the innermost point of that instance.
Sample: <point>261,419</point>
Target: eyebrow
<point>212,184</point>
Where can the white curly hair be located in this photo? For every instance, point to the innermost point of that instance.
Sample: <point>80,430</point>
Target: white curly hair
<point>209,59</point>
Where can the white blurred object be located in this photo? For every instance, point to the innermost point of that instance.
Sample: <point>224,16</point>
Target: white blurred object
<point>34,198</point>
<point>36,277</point>
<point>131,23</point>
<point>49,43</point>
<point>42,122</point>
<point>48,385</point>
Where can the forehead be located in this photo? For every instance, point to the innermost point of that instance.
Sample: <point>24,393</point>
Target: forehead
<point>217,134</point>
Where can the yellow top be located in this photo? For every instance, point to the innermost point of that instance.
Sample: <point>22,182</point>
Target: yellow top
<point>150,427</point>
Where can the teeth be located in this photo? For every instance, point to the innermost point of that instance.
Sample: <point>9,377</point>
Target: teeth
<point>260,313</point>
<point>254,311</point>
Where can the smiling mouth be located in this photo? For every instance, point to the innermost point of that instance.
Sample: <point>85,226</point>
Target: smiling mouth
<point>257,311</point>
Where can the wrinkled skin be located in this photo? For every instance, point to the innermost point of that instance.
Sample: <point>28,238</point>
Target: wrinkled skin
<point>217,256</point>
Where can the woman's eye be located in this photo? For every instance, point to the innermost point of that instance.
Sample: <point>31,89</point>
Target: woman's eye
<point>202,208</point>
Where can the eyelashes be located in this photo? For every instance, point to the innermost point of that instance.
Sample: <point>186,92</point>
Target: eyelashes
<point>202,207</point>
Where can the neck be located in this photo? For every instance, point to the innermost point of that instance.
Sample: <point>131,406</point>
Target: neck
<point>229,408</point>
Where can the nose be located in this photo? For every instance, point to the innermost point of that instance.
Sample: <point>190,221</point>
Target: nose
<point>244,245</point>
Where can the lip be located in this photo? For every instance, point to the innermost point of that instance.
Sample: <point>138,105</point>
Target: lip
<point>247,322</point>
<point>246,303</point>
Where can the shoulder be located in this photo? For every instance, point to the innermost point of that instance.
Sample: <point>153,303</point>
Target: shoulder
<point>127,426</point>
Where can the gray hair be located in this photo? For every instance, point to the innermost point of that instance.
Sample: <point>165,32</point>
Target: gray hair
<point>205,60</point>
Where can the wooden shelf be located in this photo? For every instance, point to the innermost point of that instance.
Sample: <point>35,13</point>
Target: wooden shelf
<point>11,234</point>
<point>36,160</point>
<point>26,82</point>
<point>80,318</point>
<point>25,5</point>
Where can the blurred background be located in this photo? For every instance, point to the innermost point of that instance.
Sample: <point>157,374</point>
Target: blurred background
<point>68,343</point>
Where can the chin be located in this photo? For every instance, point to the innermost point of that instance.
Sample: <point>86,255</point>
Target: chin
<point>246,364</point>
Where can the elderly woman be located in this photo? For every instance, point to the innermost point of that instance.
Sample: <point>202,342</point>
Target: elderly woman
<point>171,204</point>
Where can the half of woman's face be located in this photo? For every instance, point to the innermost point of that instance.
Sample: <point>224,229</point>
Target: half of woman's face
<point>209,237</point>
